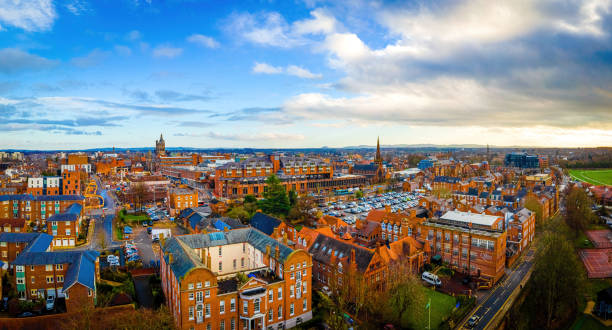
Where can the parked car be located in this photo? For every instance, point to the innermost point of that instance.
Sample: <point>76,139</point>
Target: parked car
<point>26,314</point>
<point>430,278</point>
<point>50,303</point>
<point>149,230</point>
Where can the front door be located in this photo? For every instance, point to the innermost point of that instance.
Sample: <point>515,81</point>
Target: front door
<point>199,314</point>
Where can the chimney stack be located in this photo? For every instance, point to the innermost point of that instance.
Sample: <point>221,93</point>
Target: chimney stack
<point>277,252</point>
<point>170,258</point>
<point>208,260</point>
<point>267,250</point>
<point>285,238</point>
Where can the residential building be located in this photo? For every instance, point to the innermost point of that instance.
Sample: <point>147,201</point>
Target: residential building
<point>65,226</point>
<point>469,242</point>
<point>12,244</point>
<point>180,199</point>
<point>202,289</point>
<point>12,225</point>
<point>46,185</point>
<point>521,160</point>
<point>35,209</point>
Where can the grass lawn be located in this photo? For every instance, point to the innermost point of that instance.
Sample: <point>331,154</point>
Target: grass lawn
<point>583,242</point>
<point>136,218</point>
<point>441,307</point>
<point>596,177</point>
<point>587,322</point>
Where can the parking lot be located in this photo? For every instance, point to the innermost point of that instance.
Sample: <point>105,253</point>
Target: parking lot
<point>351,211</point>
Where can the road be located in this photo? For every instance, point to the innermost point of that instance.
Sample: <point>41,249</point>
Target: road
<point>498,297</point>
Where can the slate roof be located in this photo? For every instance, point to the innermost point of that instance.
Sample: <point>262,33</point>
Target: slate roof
<point>324,245</point>
<point>81,269</point>
<point>221,225</point>
<point>72,213</point>
<point>365,167</point>
<point>265,223</point>
<point>42,198</point>
<point>447,179</point>
<point>183,247</point>
<point>37,242</point>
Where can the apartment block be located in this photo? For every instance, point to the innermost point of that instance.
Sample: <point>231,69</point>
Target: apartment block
<point>203,290</point>
<point>47,185</point>
<point>65,226</point>
<point>181,198</point>
<point>35,209</point>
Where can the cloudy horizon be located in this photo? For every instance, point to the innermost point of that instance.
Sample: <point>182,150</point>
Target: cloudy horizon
<point>291,74</point>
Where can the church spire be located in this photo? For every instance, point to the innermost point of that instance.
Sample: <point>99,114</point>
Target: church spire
<point>378,158</point>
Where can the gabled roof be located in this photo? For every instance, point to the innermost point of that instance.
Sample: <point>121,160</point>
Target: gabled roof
<point>265,223</point>
<point>81,269</point>
<point>72,213</point>
<point>323,246</point>
<point>37,242</point>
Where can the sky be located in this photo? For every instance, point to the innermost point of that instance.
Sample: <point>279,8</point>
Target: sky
<point>291,73</point>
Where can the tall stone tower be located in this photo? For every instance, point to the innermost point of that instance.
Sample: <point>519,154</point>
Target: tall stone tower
<point>160,146</point>
<point>378,159</point>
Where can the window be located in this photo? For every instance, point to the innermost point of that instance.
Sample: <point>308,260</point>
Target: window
<point>305,304</point>
<point>233,305</point>
<point>207,310</point>
<point>280,293</point>
<point>190,286</point>
<point>291,291</point>
<point>207,293</point>
<point>222,307</point>
<point>243,247</point>
<point>58,266</point>
<point>234,263</point>
<point>67,232</point>
<point>49,268</point>
<point>220,254</point>
<point>292,267</point>
<point>33,292</point>
<point>20,280</point>
<point>291,309</point>
<point>304,272</point>
<point>245,307</point>
<point>280,312</point>
<point>191,312</point>
<point>222,325</point>
<point>207,284</point>
<point>208,327</point>
<point>60,278</point>
<point>220,265</point>
<point>291,276</point>
<point>190,295</point>
<point>199,296</point>
<point>49,279</point>
<point>199,285</point>
<point>89,292</point>
<point>270,316</point>
<point>241,262</point>
<point>256,305</point>
<point>270,295</point>
<point>32,279</point>
<point>304,286</point>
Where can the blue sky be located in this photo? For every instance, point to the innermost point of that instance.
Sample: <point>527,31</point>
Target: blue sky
<point>83,74</point>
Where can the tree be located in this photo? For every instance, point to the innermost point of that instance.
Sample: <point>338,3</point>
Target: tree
<point>138,192</point>
<point>441,192</point>
<point>358,194</point>
<point>302,210</point>
<point>239,212</point>
<point>557,279</point>
<point>276,201</point>
<point>293,197</point>
<point>532,204</point>
<point>579,214</point>
<point>406,304</point>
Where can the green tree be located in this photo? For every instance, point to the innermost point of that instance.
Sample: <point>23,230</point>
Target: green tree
<point>557,279</point>
<point>579,214</point>
<point>293,197</point>
<point>532,204</point>
<point>250,205</point>
<point>302,211</point>
<point>239,212</point>
<point>358,194</point>
<point>441,192</point>
<point>276,201</point>
<point>406,304</point>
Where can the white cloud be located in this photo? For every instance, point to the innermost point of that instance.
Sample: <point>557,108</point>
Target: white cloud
<point>302,73</point>
<point>123,50</point>
<point>203,40</point>
<point>167,51</point>
<point>133,35</point>
<point>292,70</point>
<point>30,15</point>
<point>94,57</point>
<point>320,23</point>
<point>77,7</point>
<point>266,68</point>
<point>14,60</point>
<point>254,137</point>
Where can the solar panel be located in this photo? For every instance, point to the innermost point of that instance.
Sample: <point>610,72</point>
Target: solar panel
<point>216,236</point>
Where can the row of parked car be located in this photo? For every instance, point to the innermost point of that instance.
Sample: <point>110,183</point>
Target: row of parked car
<point>398,201</point>
<point>131,252</point>
<point>156,213</point>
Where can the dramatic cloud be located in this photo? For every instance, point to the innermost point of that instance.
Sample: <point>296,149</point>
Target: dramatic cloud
<point>203,41</point>
<point>30,15</point>
<point>14,60</point>
<point>167,51</point>
<point>293,70</point>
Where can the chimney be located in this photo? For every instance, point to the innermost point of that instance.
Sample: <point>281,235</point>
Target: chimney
<point>412,213</point>
<point>267,250</point>
<point>170,258</point>
<point>208,260</point>
<point>277,252</point>
<point>285,238</point>
<point>333,258</point>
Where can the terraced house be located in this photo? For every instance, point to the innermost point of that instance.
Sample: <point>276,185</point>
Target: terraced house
<point>65,226</point>
<point>203,290</point>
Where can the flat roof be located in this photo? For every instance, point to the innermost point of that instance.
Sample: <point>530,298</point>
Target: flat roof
<point>475,218</point>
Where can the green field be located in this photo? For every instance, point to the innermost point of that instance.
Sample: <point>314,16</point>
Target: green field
<point>596,177</point>
<point>441,307</point>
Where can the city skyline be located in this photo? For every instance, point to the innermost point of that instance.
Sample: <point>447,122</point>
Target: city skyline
<point>83,74</point>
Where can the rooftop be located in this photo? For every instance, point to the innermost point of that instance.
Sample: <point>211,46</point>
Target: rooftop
<point>467,217</point>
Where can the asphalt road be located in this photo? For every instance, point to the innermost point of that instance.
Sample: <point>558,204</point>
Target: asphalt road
<point>498,297</point>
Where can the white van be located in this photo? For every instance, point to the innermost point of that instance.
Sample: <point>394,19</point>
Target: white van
<point>432,279</point>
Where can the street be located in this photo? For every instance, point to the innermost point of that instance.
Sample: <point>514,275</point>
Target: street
<point>498,297</point>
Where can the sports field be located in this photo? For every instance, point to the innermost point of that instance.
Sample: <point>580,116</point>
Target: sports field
<point>596,177</point>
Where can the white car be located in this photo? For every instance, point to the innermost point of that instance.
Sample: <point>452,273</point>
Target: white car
<point>50,303</point>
